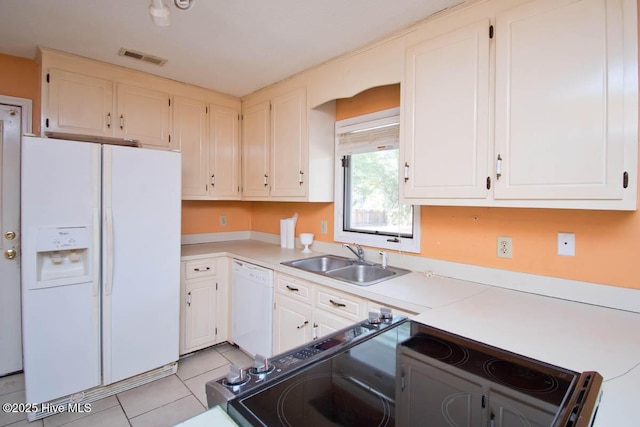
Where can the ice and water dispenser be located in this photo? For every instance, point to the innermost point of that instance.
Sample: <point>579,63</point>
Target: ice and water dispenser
<point>62,256</point>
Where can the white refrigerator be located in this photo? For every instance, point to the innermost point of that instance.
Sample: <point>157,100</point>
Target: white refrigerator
<point>100,264</point>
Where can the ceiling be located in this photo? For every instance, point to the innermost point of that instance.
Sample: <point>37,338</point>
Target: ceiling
<point>232,46</point>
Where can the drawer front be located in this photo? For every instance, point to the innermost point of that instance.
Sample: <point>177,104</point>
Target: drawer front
<point>345,305</point>
<point>294,288</point>
<point>200,268</point>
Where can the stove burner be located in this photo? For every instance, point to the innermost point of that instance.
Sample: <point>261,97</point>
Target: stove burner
<point>444,351</point>
<point>254,371</point>
<point>338,400</point>
<point>520,377</point>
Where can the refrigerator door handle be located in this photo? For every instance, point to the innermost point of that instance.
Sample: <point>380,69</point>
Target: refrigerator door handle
<point>109,254</point>
<point>96,256</point>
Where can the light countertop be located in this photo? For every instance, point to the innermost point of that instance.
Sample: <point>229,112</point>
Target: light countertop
<point>413,292</point>
<point>576,336</point>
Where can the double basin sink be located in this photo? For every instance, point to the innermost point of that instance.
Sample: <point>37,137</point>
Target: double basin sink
<point>347,269</point>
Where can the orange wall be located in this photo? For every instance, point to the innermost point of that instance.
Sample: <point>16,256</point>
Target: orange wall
<point>607,243</point>
<point>200,217</point>
<point>265,217</point>
<point>20,77</point>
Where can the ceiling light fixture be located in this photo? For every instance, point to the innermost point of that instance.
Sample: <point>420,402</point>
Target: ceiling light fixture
<point>159,13</point>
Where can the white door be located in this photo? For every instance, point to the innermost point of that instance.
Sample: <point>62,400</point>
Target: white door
<point>141,260</point>
<point>10,322</point>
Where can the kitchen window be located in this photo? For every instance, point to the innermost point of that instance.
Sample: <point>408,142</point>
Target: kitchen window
<point>368,210</point>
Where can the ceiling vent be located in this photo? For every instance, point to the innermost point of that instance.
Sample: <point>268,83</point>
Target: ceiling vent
<point>144,57</point>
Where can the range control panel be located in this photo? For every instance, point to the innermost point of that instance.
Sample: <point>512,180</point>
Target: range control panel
<point>239,381</point>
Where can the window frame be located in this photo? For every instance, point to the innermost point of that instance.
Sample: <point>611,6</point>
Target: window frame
<point>404,244</point>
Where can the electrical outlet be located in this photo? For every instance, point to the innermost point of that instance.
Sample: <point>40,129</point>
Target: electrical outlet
<point>223,220</point>
<point>505,247</point>
<point>323,226</point>
<point>567,244</point>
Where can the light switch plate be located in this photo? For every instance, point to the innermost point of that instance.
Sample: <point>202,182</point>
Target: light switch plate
<point>567,244</point>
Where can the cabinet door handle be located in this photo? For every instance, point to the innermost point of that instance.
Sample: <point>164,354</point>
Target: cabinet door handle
<point>314,331</point>
<point>306,322</point>
<point>498,167</point>
<point>300,179</point>
<point>202,269</point>
<point>266,179</point>
<point>121,121</point>
<point>213,180</point>
<point>337,304</point>
<point>189,299</point>
<point>109,121</point>
<point>292,289</point>
<point>406,171</point>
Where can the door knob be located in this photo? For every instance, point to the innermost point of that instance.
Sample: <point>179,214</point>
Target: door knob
<point>10,235</point>
<point>10,253</point>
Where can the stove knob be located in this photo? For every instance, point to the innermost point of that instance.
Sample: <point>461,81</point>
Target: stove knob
<point>385,313</point>
<point>236,375</point>
<point>261,363</point>
<point>374,317</point>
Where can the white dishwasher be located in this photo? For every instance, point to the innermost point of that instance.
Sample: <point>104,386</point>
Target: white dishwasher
<point>252,308</point>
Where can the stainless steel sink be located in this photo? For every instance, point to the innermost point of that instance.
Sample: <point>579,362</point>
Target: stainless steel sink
<point>361,273</point>
<point>322,263</point>
<point>347,269</point>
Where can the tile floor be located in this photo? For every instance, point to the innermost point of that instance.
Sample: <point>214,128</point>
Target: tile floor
<point>164,402</point>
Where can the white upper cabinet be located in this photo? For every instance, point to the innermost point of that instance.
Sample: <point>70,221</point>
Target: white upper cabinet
<point>79,104</point>
<point>87,97</point>
<point>83,104</point>
<point>209,137</point>
<point>542,113</point>
<point>190,131</point>
<point>224,152</point>
<point>289,144</point>
<point>143,114</point>
<point>560,102</point>
<point>287,149</point>
<point>256,135</point>
<point>446,96</point>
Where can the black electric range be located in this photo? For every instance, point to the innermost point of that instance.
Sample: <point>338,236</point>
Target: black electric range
<point>397,372</point>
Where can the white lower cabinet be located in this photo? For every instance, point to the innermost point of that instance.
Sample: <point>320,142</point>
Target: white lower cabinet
<point>447,395</point>
<point>203,308</point>
<point>293,313</point>
<point>292,323</point>
<point>335,310</point>
<point>305,311</point>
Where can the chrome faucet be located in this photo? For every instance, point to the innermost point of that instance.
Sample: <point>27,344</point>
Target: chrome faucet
<point>358,252</point>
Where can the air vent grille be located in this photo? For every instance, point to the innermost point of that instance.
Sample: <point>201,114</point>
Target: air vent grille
<point>140,56</point>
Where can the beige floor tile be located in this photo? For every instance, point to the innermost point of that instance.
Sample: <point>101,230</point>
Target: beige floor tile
<point>200,362</point>
<point>67,417</point>
<point>170,414</point>
<point>26,423</point>
<point>238,357</point>
<point>153,395</point>
<point>224,347</point>
<point>112,417</point>
<point>197,384</point>
<point>7,418</point>
<point>11,384</point>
